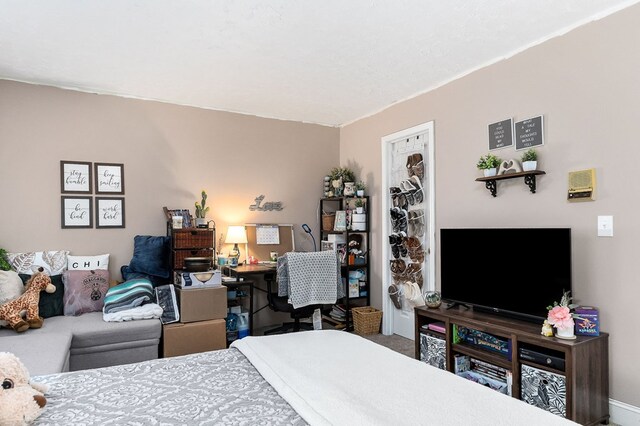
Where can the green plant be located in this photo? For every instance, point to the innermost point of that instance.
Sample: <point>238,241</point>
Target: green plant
<point>359,202</point>
<point>4,264</point>
<point>530,155</point>
<point>360,186</point>
<point>488,161</point>
<point>201,210</point>
<point>342,172</point>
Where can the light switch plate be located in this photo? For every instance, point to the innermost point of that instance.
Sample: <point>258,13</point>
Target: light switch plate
<point>605,226</point>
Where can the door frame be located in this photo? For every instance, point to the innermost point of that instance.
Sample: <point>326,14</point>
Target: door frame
<point>386,141</point>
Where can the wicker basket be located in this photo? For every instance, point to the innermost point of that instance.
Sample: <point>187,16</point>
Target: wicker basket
<point>366,320</point>
<point>328,221</point>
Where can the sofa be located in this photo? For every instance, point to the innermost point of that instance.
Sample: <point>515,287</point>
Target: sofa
<point>70,343</point>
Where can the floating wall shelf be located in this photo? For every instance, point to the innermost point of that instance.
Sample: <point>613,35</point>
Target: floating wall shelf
<point>529,180</point>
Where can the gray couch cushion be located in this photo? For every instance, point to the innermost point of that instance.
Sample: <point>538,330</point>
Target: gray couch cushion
<point>42,353</point>
<point>90,330</point>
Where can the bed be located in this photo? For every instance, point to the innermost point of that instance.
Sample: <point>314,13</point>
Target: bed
<point>318,377</point>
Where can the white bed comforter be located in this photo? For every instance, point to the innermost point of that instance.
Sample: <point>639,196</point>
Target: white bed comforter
<point>336,378</point>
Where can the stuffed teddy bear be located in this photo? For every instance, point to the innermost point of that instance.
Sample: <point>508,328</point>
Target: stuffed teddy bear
<point>21,402</point>
<point>11,288</point>
<point>11,311</point>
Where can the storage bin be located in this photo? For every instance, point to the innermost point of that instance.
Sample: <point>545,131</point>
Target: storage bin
<point>366,320</point>
<point>327,222</point>
<point>544,389</point>
<point>433,351</point>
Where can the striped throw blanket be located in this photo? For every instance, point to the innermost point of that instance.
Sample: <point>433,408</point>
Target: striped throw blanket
<point>127,295</point>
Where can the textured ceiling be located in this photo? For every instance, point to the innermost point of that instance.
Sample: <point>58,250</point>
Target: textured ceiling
<point>323,61</point>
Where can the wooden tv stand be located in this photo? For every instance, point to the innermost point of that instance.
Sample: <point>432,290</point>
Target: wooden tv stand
<point>586,358</point>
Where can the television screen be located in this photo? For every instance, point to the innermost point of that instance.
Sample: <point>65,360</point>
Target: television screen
<point>511,271</point>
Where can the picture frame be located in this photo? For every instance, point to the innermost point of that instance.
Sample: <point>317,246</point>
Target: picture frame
<point>187,221</point>
<point>109,178</point>
<point>76,212</point>
<point>340,223</point>
<point>110,212</point>
<point>327,245</point>
<point>75,177</point>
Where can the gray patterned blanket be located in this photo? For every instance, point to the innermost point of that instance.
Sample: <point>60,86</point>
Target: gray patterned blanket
<point>310,278</point>
<point>210,388</point>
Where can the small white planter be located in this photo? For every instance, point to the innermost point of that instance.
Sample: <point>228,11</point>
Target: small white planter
<point>490,172</point>
<point>565,333</point>
<point>528,166</point>
<point>360,192</point>
<point>359,210</point>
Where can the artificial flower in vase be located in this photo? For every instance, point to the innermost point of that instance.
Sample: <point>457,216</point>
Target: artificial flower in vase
<point>561,318</point>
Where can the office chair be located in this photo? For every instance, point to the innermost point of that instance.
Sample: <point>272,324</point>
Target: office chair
<point>281,304</point>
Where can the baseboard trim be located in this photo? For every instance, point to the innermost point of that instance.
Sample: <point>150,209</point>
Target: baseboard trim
<point>624,414</point>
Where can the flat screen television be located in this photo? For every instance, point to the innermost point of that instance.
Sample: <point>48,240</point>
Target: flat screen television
<point>516,272</point>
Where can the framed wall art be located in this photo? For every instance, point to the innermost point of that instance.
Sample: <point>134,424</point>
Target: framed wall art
<point>76,212</point>
<point>341,221</point>
<point>110,212</point>
<point>75,177</point>
<point>109,178</point>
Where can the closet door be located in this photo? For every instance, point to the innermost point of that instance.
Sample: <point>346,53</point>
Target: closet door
<point>408,226</point>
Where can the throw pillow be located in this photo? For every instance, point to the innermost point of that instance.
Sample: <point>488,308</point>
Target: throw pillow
<point>53,262</point>
<point>85,291</point>
<point>50,304</point>
<point>87,263</point>
<point>151,255</point>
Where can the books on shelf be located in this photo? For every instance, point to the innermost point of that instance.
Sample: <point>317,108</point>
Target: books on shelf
<point>436,326</point>
<point>338,313</point>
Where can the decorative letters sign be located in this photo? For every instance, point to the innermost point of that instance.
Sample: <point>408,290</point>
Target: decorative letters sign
<point>500,134</point>
<point>268,206</point>
<point>75,177</point>
<point>109,212</point>
<point>529,133</point>
<point>109,178</point>
<point>76,212</point>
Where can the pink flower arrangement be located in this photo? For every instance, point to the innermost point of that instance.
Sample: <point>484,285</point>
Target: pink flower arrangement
<point>560,317</point>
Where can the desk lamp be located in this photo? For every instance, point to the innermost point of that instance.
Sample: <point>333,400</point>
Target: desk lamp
<point>236,235</point>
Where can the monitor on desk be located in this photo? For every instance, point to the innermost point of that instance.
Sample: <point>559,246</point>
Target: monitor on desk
<point>264,239</point>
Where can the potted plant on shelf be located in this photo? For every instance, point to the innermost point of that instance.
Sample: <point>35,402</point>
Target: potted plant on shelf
<point>561,318</point>
<point>529,160</point>
<point>360,187</point>
<point>359,206</point>
<point>489,164</point>
<point>339,176</point>
<point>201,211</point>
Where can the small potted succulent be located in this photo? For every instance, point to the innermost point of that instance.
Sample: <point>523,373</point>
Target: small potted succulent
<point>359,206</point>
<point>201,211</point>
<point>360,187</point>
<point>529,160</point>
<point>489,164</point>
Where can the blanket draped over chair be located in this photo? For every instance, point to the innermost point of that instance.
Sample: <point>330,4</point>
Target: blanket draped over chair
<point>310,278</point>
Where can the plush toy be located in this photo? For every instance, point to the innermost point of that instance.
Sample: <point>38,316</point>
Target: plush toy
<point>21,402</point>
<point>11,311</point>
<point>11,288</point>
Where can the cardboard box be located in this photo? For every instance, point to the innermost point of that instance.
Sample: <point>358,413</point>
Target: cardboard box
<point>587,321</point>
<point>198,279</point>
<point>183,339</point>
<point>202,304</point>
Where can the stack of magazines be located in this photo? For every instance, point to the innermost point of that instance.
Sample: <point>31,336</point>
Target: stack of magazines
<point>338,313</point>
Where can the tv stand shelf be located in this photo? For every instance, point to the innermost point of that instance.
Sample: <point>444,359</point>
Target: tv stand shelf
<point>586,369</point>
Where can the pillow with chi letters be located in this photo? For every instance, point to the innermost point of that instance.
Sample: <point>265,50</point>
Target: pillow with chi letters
<point>87,263</point>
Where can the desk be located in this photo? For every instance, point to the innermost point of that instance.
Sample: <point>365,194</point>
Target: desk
<point>267,270</point>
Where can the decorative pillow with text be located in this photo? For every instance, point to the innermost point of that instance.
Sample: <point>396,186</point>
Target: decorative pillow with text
<point>84,291</point>
<point>87,263</point>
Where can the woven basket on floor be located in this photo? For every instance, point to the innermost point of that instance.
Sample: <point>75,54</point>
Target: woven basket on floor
<point>366,320</point>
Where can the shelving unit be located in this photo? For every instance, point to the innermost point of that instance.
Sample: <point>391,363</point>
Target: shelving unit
<point>347,204</point>
<point>586,360</point>
<point>529,180</point>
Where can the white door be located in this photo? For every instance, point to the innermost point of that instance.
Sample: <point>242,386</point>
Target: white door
<point>408,226</point>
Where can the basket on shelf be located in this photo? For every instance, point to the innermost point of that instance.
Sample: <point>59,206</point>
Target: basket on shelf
<point>366,320</point>
<point>328,221</point>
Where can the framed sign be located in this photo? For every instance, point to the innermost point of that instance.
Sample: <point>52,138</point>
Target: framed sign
<point>500,134</point>
<point>529,133</point>
<point>340,223</point>
<point>109,178</point>
<point>76,212</point>
<point>109,212</point>
<point>75,177</point>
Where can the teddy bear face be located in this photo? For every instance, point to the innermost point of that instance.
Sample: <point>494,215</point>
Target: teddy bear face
<point>20,402</point>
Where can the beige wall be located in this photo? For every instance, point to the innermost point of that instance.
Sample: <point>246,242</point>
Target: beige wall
<point>586,85</point>
<point>169,153</point>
